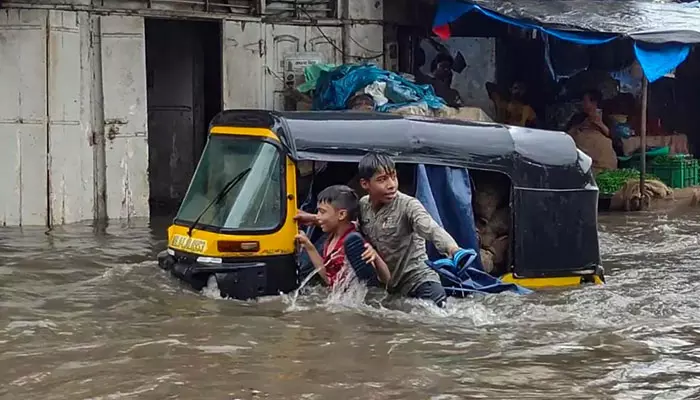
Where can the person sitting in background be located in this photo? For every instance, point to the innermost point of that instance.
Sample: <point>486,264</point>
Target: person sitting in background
<point>441,80</point>
<point>591,135</point>
<point>512,110</point>
<point>499,100</point>
<point>591,113</point>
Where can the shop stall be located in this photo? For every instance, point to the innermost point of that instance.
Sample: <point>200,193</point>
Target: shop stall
<point>613,71</point>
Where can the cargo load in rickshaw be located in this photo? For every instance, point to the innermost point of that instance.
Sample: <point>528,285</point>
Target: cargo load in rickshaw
<point>525,200</point>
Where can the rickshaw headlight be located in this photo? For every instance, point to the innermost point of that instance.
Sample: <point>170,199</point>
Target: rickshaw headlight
<point>584,161</point>
<point>237,246</point>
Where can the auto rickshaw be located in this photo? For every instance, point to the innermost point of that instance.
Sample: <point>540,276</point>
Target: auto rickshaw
<point>236,222</point>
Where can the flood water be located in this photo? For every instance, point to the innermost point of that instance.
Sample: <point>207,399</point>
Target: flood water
<point>89,315</point>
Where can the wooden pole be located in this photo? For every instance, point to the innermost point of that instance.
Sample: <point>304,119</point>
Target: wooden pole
<point>643,140</point>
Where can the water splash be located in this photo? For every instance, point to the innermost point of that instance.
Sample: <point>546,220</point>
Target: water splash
<point>347,292</point>
<point>351,295</point>
<point>291,299</point>
<point>212,289</point>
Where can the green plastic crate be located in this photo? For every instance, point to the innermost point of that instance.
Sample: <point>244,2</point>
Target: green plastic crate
<point>681,173</point>
<point>673,175</point>
<point>692,172</point>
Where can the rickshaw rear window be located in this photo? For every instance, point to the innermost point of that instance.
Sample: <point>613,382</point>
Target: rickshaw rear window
<point>254,203</point>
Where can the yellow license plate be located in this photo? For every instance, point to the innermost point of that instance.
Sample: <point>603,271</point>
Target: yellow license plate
<point>187,243</point>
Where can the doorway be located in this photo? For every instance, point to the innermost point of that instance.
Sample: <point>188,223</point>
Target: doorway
<point>184,92</point>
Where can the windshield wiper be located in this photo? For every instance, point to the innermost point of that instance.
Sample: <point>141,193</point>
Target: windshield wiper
<point>224,191</point>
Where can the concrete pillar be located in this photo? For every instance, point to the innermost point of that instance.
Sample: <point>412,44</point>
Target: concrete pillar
<point>70,172</point>
<point>123,67</point>
<point>46,152</point>
<point>23,122</point>
<point>363,33</point>
<point>243,81</point>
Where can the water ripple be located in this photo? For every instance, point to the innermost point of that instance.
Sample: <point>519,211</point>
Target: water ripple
<point>86,314</point>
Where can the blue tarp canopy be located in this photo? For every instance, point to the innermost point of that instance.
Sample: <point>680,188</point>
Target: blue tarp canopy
<point>663,31</point>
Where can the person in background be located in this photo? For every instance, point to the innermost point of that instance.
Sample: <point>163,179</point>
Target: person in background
<point>499,101</point>
<point>592,115</point>
<point>591,135</point>
<point>337,211</point>
<point>519,112</point>
<point>512,109</point>
<point>441,80</point>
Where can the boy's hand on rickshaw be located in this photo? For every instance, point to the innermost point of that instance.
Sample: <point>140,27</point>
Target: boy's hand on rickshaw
<point>369,255</point>
<point>303,240</point>
<point>304,218</point>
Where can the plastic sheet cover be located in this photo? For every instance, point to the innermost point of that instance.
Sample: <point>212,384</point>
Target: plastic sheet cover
<point>662,30</point>
<point>651,21</point>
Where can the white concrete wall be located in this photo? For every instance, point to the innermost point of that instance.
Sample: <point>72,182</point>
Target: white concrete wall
<point>259,82</point>
<point>71,189</point>
<point>282,40</point>
<point>124,89</point>
<point>50,125</point>
<point>364,41</point>
<point>23,158</point>
<point>243,81</point>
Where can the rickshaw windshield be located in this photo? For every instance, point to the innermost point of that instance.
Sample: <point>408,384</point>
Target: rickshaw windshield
<point>252,204</point>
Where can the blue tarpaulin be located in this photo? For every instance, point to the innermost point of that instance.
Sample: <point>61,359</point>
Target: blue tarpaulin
<point>460,278</point>
<point>450,10</point>
<point>670,27</point>
<point>657,61</point>
<point>334,88</point>
<point>446,194</point>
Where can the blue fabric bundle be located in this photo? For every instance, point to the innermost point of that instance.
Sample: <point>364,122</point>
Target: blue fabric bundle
<point>460,278</point>
<point>334,88</point>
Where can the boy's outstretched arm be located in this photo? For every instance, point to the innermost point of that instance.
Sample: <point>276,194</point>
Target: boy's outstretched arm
<point>314,256</point>
<point>382,270</point>
<point>305,218</point>
<point>371,256</point>
<point>426,227</point>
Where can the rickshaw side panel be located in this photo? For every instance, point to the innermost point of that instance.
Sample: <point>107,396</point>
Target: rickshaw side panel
<point>556,232</point>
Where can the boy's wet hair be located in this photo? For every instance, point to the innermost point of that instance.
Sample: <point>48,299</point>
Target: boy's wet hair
<point>341,197</point>
<point>374,162</point>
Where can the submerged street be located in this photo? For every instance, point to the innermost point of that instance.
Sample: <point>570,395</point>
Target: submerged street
<point>89,315</point>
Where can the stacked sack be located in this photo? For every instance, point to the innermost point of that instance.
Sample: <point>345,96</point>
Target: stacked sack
<point>493,220</point>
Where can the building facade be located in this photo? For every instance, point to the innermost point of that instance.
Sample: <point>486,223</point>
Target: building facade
<point>105,103</point>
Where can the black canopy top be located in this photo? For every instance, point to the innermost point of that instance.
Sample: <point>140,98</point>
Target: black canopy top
<point>524,154</point>
<point>653,21</point>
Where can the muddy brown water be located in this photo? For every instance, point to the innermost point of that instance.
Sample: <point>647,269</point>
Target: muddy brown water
<point>87,314</point>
